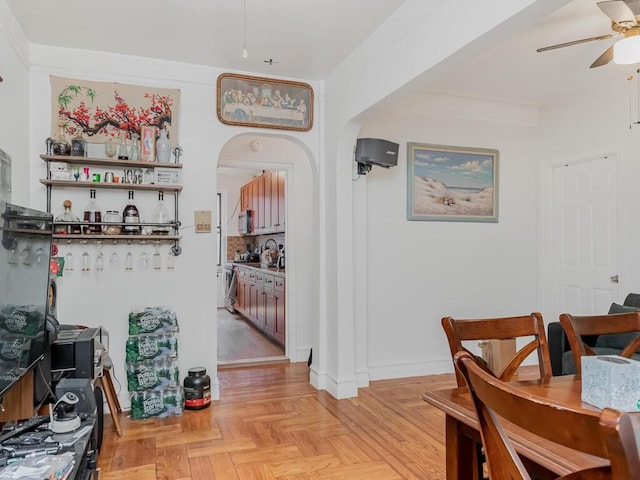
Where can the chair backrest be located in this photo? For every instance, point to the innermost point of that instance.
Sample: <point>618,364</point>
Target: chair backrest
<point>608,434</point>
<point>617,323</point>
<point>459,331</point>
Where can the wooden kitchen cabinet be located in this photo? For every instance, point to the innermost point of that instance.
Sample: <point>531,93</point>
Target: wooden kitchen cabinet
<point>265,197</point>
<point>245,198</point>
<point>261,299</point>
<point>276,309</point>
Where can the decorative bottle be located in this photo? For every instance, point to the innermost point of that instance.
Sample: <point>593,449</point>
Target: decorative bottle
<point>70,221</point>
<point>60,145</point>
<point>110,148</point>
<point>123,149</point>
<point>161,216</point>
<point>163,147</point>
<point>92,214</point>
<point>131,218</point>
<point>78,146</point>
<point>135,147</point>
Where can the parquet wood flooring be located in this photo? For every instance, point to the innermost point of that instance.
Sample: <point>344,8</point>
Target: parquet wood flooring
<point>271,424</point>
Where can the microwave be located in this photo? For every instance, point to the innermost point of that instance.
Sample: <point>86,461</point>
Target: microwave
<point>244,222</point>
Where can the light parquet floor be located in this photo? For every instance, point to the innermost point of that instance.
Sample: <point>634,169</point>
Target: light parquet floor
<point>240,342</point>
<point>271,424</point>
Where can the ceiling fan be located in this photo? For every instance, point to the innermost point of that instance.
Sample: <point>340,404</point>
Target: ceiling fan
<point>623,22</point>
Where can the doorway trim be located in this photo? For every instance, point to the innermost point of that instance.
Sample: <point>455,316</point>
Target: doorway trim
<point>302,264</point>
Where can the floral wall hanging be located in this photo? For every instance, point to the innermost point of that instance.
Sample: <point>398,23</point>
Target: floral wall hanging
<point>99,110</point>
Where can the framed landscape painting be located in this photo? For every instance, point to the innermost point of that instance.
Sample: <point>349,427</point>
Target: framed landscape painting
<point>456,184</point>
<point>264,102</point>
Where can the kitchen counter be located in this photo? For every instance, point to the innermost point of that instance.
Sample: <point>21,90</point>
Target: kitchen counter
<point>258,266</point>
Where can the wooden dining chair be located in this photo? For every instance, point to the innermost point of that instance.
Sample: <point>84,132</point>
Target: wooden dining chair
<point>459,331</point>
<point>608,434</point>
<point>621,329</point>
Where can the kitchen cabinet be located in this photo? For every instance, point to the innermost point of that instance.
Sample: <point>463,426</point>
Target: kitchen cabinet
<point>111,165</point>
<point>261,299</point>
<point>265,197</point>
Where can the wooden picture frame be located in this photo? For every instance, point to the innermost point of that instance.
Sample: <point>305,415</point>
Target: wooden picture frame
<point>456,184</point>
<point>264,102</point>
<point>148,143</point>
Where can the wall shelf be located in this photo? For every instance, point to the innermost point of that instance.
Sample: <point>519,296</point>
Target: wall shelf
<point>115,186</point>
<point>108,163</point>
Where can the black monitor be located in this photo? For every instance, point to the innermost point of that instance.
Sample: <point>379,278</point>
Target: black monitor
<point>25,256</point>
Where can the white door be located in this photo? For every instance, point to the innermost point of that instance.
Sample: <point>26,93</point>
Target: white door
<point>585,243</point>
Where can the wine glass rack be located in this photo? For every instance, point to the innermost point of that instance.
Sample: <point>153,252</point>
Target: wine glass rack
<point>173,236</point>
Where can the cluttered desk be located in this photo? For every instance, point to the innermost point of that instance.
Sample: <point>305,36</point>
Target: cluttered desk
<point>62,445</point>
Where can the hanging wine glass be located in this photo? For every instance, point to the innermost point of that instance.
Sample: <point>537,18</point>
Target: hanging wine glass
<point>145,258</point>
<point>38,254</point>
<point>86,258</point>
<point>26,256</point>
<point>157,258</point>
<point>68,259</point>
<point>114,258</point>
<point>128,259</point>
<point>170,258</point>
<point>13,256</point>
<point>100,258</point>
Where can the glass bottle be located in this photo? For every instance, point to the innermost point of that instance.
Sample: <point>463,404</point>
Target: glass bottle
<point>60,145</point>
<point>163,147</point>
<point>78,146</point>
<point>92,214</point>
<point>68,219</point>
<point>112,223</point>
<point>123,151</point>
<point>131,218</point>
<point>160,217</point>
<point>135,147</point>
<point>110,148</point>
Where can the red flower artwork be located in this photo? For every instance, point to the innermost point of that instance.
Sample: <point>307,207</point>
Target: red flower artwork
<point>77,108</point>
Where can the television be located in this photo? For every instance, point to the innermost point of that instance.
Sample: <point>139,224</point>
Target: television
<point>25,256</point>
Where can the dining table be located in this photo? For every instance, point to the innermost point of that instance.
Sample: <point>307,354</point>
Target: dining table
<point>462,430</point>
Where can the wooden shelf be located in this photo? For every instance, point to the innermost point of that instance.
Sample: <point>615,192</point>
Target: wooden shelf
<point>107,162</point>
<point>147,238</point>
<point>113,186</point>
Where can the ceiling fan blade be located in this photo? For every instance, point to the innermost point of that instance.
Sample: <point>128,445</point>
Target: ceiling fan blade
<point>576,42</point>
<point>619,12</point>
<point>603,59</point>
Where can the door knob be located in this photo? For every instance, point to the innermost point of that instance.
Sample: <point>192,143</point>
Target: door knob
<point>614,279</point>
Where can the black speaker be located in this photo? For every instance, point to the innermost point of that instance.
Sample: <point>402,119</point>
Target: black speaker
<point>83,389</point>
<point>376,151</point>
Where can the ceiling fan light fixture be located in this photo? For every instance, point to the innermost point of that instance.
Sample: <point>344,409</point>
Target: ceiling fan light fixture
<point>627,50</point>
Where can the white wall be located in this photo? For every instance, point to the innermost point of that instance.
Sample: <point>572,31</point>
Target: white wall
<point>106,300</point>
<point>14,104</point>
<point>595,123</point>
<point>421,271</point>
<point>393,56</point>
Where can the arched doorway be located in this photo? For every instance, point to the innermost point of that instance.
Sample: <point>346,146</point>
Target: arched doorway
<point>250,154</point>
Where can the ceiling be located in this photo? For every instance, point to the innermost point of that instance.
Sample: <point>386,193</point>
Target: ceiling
<point>309,38</point>
<point>510,69</point>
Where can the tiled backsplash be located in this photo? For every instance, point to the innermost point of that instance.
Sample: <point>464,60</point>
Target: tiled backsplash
<point>239,243</point>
